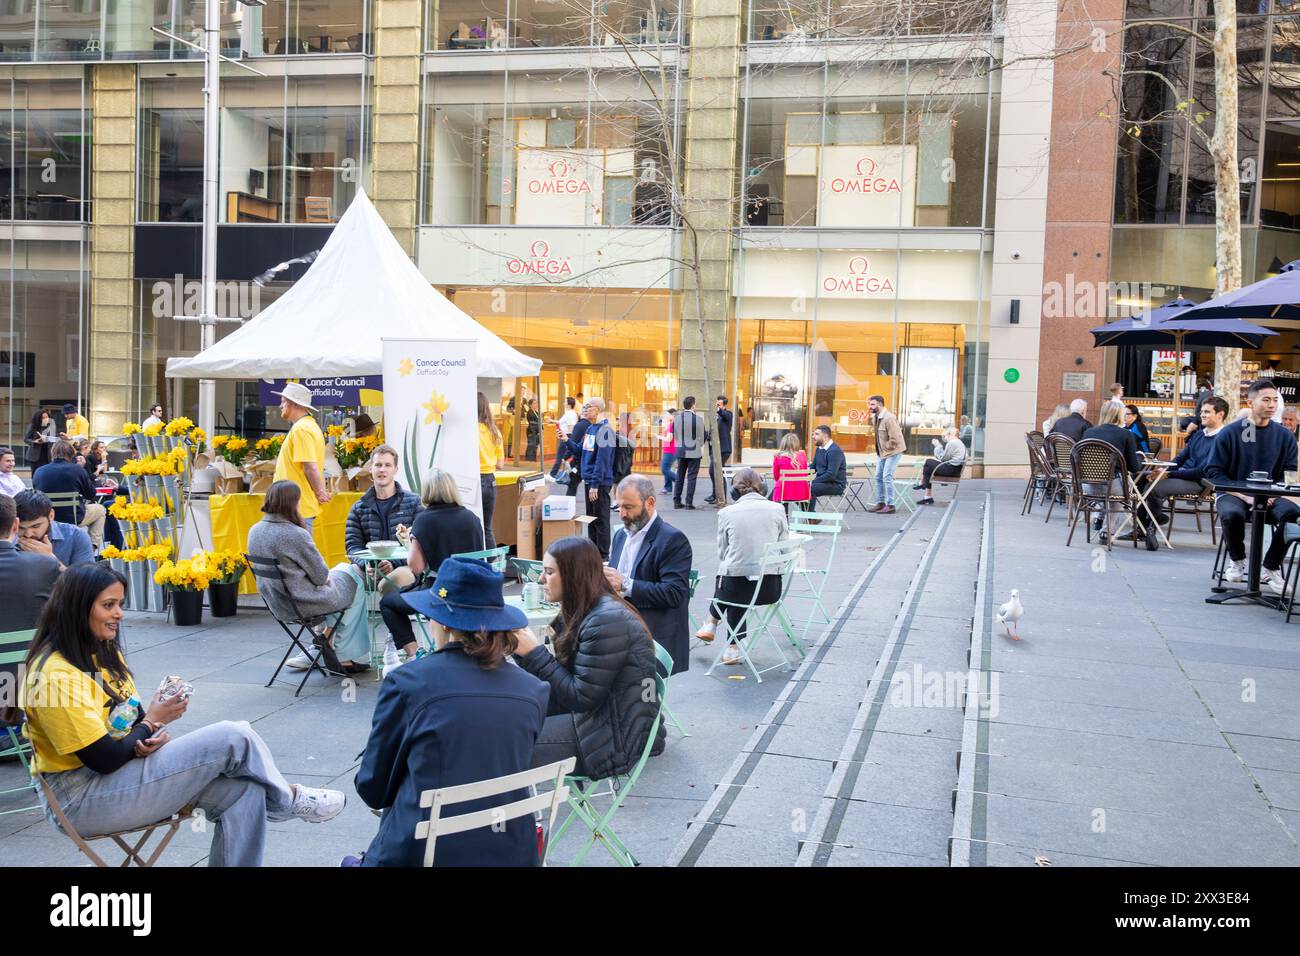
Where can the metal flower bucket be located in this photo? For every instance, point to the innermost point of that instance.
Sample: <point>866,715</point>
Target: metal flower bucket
<point>141,441</point>
<point>139,578</point>
<point>156,444</point>
<point>120,566</point>
<point>157,598</point>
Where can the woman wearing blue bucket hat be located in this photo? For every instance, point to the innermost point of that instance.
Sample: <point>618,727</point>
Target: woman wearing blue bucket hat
<point>459,715</point>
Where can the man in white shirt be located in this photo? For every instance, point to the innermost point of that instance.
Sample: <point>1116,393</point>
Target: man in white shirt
<point>1117,394</point>
<point>155,416</point>
<point>10,484</point>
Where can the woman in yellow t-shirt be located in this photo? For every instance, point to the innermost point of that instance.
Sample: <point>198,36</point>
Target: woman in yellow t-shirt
<point>110,761</point>
<point>489,460</point>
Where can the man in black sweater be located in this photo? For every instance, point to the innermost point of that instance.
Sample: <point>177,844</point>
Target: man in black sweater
<point>1254,443</point>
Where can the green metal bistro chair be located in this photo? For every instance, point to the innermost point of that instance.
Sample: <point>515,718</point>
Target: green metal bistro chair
<point>530,572</point>
<point>779,558</point>
<point>812,524</point>
<point>583,791</point>
<point>905,476</point>
<point>694,583</point>
<point>62,500</point>
<point>13,651</point>
<point>666,662</point>
<point>496,558</point>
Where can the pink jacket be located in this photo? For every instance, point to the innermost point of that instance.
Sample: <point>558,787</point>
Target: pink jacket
<point>790,490</point>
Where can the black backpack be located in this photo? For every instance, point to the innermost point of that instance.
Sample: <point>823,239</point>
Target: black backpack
<point>624,449</point>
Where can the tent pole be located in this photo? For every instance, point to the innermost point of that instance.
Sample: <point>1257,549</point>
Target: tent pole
<point>211,140</point>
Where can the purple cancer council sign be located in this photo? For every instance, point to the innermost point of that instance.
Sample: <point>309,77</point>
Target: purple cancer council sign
<point>341,390</point>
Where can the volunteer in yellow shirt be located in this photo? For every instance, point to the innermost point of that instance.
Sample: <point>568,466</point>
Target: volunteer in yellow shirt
<point>110,763</point>
<point>302,456</point>
<point>489,459</point>
<point>74,423</point>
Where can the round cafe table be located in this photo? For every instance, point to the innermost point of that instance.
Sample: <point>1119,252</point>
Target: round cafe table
<point>1259,493</point>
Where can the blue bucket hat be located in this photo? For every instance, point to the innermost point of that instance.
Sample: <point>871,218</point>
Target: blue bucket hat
<point>467,596</point>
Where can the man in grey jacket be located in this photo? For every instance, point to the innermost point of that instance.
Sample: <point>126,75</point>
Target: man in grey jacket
<point>690,432</point>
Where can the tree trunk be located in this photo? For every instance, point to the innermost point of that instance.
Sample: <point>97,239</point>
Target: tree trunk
<point>1227,187</point>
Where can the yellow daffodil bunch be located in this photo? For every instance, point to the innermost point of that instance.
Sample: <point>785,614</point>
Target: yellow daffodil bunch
<point>110,551</point>
<point>136,512</point>
<point>130,428</point>
<point>369,443</point>
<point>232,448</point>
<point>187,575</point>
<point>335,431</point>
<point>165,465</point>
<point>179,426</point>
<point>268,449</point>
<point>350,452</point>
<point>153,429</point>
<point>161,551</point>
<point>224,566</point>
<point>199,439</point>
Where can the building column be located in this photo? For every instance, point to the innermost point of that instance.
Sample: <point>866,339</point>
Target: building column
<point>709,203</point>
<point>1020,221</point>
<point>112,246</point>
<point>395,118</point>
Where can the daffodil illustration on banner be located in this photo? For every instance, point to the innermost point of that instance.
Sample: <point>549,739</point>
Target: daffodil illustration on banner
<point>431,409</point>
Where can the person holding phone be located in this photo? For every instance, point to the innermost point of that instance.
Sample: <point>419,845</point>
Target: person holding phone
<point>112,763</point>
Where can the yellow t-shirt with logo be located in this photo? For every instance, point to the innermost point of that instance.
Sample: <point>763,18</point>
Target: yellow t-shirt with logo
<point>303,443</point>
<point>489,450</point>
<point>66,710</point>
<point>77,427</point>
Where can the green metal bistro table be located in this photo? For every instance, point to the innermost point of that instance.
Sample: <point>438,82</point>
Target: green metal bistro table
<point>370,573</point>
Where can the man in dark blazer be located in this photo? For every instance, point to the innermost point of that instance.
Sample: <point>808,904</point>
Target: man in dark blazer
<point>650,565</point>
<point>1073,425</point>
<point>574,451</point>
<point>723,431</point>
<point>26,579</point>
<point>830,470</point>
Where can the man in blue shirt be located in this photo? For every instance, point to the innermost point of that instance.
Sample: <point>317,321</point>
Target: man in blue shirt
<point>1184,478</point>
<point>1254,443</point>
<point>598,471</point>
<point>39,533</point>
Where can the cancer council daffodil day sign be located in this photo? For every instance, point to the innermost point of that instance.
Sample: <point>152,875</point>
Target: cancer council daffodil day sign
<point>431,411</point>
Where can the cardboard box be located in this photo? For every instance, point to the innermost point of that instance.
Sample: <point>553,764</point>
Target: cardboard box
<point>559,508</point>
<point>229,479</point>
<point>528,516</point>
<point>261,474</point>
<point>554,530</point>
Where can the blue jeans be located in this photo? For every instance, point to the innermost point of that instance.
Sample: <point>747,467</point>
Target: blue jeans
<point>223,768</point>
<point>885,479</point>
<point>666,464</point>
<point>352,635</point>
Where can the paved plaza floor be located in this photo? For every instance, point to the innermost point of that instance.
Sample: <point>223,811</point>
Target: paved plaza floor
<point>1132,724</point>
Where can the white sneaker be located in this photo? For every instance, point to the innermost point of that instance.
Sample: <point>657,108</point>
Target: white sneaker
<point>1273,580</point>
<point>299,663</point>
<point>1235,572</point>
<point>391,658</point>
<point>707,631</point>
<point>316,806</point>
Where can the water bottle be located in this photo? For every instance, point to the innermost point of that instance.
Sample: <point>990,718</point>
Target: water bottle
<point>122,718</point>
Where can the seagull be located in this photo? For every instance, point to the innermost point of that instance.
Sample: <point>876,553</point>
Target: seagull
<point>1009,615</point>
<point>272,272</point>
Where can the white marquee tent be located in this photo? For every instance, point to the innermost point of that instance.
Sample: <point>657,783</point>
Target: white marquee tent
<point>361,289</point>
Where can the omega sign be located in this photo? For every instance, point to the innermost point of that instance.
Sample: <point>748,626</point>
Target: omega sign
<point>560,181</point>
<point>859,281</point>
<point>866,181</point>
<point>539,262</point>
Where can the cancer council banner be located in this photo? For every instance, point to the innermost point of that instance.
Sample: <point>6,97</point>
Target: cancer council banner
<point>431,411</point>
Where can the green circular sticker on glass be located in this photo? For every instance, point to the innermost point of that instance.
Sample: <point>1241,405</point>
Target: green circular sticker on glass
<point>1012,375</point>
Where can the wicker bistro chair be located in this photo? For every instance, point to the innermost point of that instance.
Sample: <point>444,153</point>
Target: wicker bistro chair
<point>1096,465</point>
<point>1198,505</point>
<point>1059,460</point>
<point>1040,472</point>
<point>1155,444</point>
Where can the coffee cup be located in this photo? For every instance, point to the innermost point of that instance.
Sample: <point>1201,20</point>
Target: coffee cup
<point>1260,476</point>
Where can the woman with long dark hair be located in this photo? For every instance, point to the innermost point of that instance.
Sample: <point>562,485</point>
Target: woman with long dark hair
<point>604,660</point>
<point>41,437</point>
<point>490,458</point>
<point>1134,423</point>
<point>110,761</point>
<point>533,429</point>
<point>313,589</point>
<point>459,715</point>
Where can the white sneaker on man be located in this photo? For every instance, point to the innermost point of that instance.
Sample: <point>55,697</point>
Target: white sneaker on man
<point>707,631</point>
<point>299,663</point>
<point>315,805</point>
<point>1273,580</point>
<point>1235,571</point>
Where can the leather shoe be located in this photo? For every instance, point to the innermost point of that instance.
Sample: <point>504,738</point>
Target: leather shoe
<point>888,510</point>
<point>876,509</point>
<point>1152,539</point>
<point>689,507</point>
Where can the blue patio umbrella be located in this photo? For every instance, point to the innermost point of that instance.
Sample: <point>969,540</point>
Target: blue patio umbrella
<point>1174,325</point>
<point>1277,297</point>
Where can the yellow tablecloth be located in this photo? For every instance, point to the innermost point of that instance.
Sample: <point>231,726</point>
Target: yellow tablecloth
<point>234,515</point>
